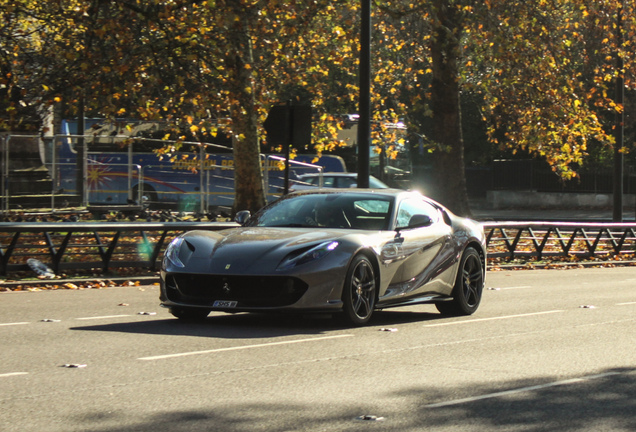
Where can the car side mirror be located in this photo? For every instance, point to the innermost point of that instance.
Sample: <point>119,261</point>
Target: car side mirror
<point>420,221</point>
<point>242,217</point>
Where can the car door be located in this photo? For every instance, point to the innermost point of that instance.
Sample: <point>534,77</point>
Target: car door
<point>426,248</point>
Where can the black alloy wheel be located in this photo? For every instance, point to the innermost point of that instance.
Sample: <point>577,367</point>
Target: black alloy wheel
<point>359,293</point>
<point>469,285</point>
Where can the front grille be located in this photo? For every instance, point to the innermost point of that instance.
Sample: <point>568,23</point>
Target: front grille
<point>248,291</point>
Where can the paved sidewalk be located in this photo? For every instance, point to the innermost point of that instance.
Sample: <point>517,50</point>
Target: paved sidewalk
<point>89,282</point>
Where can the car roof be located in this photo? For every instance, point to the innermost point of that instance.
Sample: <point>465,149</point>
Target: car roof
<point>357,191</point>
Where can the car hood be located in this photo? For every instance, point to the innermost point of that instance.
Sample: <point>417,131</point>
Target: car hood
<point>249,250</point>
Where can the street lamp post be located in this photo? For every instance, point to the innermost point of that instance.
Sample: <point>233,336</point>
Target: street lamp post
<point>364,122</point>
<point>619,121</point>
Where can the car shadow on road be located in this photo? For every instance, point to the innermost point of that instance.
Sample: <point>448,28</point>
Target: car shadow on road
<point>604,401</point>
<point>253,325</point>
<point>399,316</point>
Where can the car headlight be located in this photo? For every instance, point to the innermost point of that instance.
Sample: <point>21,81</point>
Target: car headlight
<point>310,255</point>
<point>171,255</point>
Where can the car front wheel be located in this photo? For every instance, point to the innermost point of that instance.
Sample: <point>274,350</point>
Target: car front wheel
<point>359,291</point>
<point>469,285</point>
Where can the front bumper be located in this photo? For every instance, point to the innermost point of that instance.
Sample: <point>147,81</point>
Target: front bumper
<point>248,293</point>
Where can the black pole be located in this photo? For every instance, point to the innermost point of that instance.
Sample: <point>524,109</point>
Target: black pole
<point>364,122</point>
<point>80,147</point>
<point>619,123</point>
<point>288,142</point>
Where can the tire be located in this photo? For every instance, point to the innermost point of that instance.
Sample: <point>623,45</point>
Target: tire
<point>359,292</point>
<point>189,314</point>
<point>469,286</point>
<point>146,191</point>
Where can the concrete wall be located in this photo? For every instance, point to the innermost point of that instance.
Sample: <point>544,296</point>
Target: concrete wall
<point>556,200</point>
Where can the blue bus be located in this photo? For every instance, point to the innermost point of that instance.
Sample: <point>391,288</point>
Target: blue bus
<point>120,168</point>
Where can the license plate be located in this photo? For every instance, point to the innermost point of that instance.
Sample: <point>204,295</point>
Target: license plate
<point>224,304</point>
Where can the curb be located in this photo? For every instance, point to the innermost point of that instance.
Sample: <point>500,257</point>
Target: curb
<point>118,281</point>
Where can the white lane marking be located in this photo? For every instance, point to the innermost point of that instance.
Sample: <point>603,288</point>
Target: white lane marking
<point>243,347</point>
<point>102,317</point>
<point>519,390</point>
<point>625,304</point>
<point>13,374</point>
<point>494,318</point>
<point>15,323</point>
<point>514,288</point>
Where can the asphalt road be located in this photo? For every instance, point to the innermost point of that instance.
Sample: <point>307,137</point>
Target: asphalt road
<point>549,350</point>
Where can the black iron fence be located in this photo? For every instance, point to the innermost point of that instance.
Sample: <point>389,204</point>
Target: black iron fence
<point>86,245</point>
<point>104,247</point>
<point>542,240</point>
<point>532,174</point>
<point>527,175</point>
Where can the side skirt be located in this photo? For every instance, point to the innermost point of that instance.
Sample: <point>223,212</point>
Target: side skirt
<point>431,298</point>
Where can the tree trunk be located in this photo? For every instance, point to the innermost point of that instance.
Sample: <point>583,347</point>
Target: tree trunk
<point>449,176</point>
<point>249,188</point>
<point>248,178</point>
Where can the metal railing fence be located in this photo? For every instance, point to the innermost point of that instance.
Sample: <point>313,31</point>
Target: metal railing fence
<point>543,240</point>
<point>89,245</point>
<point>44,172</point>
<point>536,175</point>
<point>104,247</point>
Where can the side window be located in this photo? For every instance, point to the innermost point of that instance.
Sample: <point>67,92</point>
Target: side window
<point>327,181</point>
<point>345,182</point>
<point>411,207</point>
<point>372,207</point>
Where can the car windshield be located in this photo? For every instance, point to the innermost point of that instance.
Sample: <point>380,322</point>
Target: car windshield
<point>347,210</point>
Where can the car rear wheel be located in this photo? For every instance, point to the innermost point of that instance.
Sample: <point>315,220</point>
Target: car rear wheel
<point>469,285</point>
<point>359,291</point>
<point>189,314</point>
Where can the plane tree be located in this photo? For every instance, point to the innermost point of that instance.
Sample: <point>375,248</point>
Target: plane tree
<point>25,29</point>
<point>191,63</point>
<point>546,73</point>
<point>545,70</point>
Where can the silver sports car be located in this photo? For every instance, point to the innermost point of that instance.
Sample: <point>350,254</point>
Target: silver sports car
<point>347,251</point>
